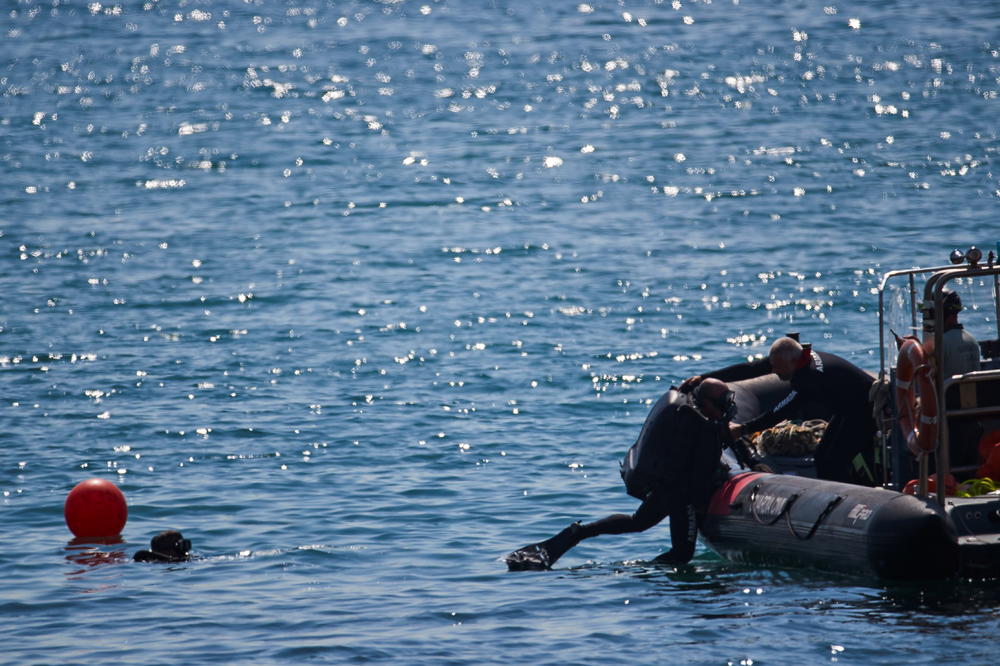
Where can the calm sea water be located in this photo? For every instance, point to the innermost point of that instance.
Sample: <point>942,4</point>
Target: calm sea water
<point>363,295</point>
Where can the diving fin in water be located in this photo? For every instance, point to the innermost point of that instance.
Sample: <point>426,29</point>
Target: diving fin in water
<point>542,555</point>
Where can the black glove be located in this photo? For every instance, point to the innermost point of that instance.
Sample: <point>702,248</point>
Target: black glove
<point>543,555</point>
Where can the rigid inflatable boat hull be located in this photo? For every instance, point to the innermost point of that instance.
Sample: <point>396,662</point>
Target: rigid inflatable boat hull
<point>784,520</point>
<point>977,521</point>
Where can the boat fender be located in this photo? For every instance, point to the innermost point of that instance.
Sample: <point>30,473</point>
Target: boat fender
<point>917,420</point>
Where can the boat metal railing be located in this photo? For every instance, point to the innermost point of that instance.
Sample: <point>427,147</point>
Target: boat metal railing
<point>932,304</point>
<point>969,379</point>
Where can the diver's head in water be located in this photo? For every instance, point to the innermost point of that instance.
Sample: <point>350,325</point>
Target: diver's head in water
<point>785,357</point>
<point>715,399</point>
<point>168,546</point>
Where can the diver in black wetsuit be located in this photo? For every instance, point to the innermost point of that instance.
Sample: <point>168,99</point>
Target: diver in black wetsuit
<point>168,546</point>
<point>821,378</point>
<point>684,440</point>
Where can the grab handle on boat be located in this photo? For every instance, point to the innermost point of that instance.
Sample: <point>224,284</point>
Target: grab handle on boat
<point>819,519</point>
<point>789,501</point>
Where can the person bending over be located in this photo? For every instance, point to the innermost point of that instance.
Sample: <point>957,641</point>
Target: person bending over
<point>674,468</point>
<point>816,378</point>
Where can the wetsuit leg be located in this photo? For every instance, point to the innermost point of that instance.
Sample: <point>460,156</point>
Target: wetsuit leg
<point>684,523</point>
<point>843,440</point>
<point>544,554</point>
<point>654,509</point>
<point>826,458</point>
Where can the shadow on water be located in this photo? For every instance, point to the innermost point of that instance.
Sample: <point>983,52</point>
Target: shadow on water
<point>946,598</point>
<point>704,574</point>
<point>91,552</point>
<point>711,575</point>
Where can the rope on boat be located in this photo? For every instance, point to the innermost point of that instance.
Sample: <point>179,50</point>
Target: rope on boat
<point>789,501</point>
<point>826,512</point>
<point>786,512</point>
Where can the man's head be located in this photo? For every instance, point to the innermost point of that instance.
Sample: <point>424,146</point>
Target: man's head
<point>715,400</point>
<point>951,303</point>
<point>784,356</point>
<point>172,544</point>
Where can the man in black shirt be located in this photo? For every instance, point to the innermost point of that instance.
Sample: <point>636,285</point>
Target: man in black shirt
<point>674,468</point>
<point>817,378</point>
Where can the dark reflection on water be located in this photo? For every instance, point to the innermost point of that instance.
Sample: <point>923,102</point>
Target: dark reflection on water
<point>88,552</point>
<point>962,598</point>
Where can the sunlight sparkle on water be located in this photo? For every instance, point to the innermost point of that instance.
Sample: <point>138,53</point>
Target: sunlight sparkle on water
<point>649,193</point>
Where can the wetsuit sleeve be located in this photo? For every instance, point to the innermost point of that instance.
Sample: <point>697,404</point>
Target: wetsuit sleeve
<point>740,371</point>
<point>785,409</point>
<point>653,510</point>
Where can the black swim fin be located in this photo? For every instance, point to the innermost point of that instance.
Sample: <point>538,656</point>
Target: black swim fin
<point>542,555</point>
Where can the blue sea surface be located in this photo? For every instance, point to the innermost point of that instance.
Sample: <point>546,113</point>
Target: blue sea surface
<point>362,295</point>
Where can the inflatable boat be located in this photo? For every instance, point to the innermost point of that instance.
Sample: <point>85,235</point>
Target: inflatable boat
<point>932,427</point>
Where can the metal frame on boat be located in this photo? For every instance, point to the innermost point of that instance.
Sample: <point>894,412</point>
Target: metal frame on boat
<point>964,266</point>
<point>972,397</point>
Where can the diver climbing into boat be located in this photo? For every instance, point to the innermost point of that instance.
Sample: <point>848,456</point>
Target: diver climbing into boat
<point>674,467</point>
<point>907,527</point>
<point>846,450</point>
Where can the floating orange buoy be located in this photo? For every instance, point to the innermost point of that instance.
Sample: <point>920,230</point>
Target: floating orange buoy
<point>95,508</point>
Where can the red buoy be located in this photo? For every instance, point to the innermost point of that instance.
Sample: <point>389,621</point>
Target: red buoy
<point>95,508</point>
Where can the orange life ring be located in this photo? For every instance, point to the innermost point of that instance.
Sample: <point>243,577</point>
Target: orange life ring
<point>917,420</point>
